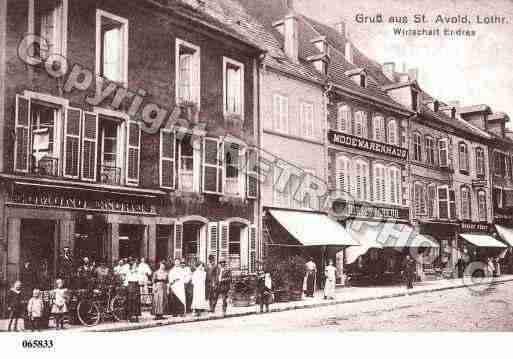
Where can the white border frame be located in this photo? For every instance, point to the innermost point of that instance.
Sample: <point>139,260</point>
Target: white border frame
<point>195,87</point>
<point>226,61</point>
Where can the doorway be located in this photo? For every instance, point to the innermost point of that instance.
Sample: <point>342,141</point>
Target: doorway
<point>38,246</point>
<point>194,245</point>
<point>130,241</point>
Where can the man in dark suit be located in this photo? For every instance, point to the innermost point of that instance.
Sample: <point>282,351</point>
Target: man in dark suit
<point>222,288</point>
<point>211,281</point>
<point>66,267</point>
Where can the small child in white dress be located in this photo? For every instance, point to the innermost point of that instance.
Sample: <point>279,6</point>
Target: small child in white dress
<point>59,306</point>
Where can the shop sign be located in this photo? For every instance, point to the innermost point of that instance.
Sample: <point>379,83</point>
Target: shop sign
<point>79,201</point>
<point>362,210</point>
<point>474,227</point>
<point>364,144</point>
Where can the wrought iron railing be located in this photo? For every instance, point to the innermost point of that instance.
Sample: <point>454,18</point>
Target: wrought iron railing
<point>110,175</point>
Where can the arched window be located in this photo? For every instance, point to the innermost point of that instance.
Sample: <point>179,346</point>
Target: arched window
<point>417,147</point>
<point>480,162</point>
<point>393,138</point>
<point>360,124</point>
<point>466,211</point>
<point>344,119</point>
<point>379,183</point>
<point>378,123</point>
<point>481,205</point>
<point>394,185</point>
<point>419,198</point>
<point>362,182</point>
<point>463,156</point>
<point>430,150</point>
<point>343,174</point>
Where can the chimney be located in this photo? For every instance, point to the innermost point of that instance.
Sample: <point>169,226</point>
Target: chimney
<point>349,52</point>
<point>436,106</point>
<point>290,34</point>
<point>413,74</point>
<point>389,70</point>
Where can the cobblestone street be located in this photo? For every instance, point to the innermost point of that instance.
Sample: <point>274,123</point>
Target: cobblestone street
<point>451,310</point>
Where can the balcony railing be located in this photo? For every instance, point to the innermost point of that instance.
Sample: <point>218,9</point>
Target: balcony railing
<point>110,175</point>
<point>46,166</point>
<point>232,187</point>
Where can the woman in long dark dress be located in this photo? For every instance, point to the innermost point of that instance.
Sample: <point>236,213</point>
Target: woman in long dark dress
<point>134,294</point>
<point>160,291</point>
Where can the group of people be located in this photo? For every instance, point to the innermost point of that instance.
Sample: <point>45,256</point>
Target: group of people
<point>32,310</point>
<point>310,280</point>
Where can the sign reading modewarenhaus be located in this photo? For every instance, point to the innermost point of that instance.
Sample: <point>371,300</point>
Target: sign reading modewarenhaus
<point>338,138</point>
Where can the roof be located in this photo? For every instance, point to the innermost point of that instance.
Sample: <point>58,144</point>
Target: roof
<point>498,116</point>
<point>253,19</point>
<point>475,108</point>
<point>198,14</point>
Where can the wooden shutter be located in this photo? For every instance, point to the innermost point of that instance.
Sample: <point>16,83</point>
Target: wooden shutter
<point>178,240</point>
<point>133,152</point>
<point>251,173</point>
<point>212,166</point>
<point>89,146</point>
<point>167,159</point>
<point>252,249</point>
<point>22,143</point>
<point>213,239</point>
<point>72,125</point>
<point>224,235</point>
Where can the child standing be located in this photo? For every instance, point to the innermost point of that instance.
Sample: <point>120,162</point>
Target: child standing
<point>14,306</point>
<point>59,307</point>
<point>35,308</point>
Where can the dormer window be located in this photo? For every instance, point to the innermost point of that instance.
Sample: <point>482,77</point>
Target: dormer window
<point>363,80</point>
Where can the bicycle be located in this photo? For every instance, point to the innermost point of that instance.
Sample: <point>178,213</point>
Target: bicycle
<point>91,311</point>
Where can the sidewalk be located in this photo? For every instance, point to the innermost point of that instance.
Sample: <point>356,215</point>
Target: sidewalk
<point>343,295</point>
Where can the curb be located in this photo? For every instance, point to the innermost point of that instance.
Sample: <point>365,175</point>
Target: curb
<point>155,324</point>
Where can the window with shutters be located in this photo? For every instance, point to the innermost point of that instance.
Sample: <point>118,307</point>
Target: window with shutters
<point>481,205</point>
<point>430,151</point>
<point>344,174</point>
<point>235,253</point>
<point>378,123</point>
<point>380,186</point>
<point>251,173</point>
<point>307,120</point>
<point>419,196</point>
<point>443,152</point>
<point>394,185</point>
<point>112,46</point>
<point>167,159</point>
<point>431,201</point>
<point>233,73</point>
<point>133,152</point>
<point>466,211</point>
<point>463,157</point>
<point>417,147</point>
<point>362,180</point>
<point>110,162</point>
<point>393,137</point>
<point>213,169</point>
<point>43,131</point>
<point>280,113</point>
<point>187,72</point>
<point>344,117</point>
<point>233,157</point>
<point>443,202</point>
<point>360,124</point>
<point>50,23</point>
<point>186,163</point>
<point>89,146</point>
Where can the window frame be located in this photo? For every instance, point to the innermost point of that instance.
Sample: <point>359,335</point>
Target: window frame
<point>480,162</point>
<point>466,209</point>
<point>446,200</point>
<point>348,173</point>
<point>364,123</point>
<point>348,120</point>
<point>280,118</point>
<point>395,170</point>
<point>420,208</point>
<point>379,185</point>
<point>226,62</point>
<point>482,216</point>
<point>305,127</point>
<point>364,177</point>
<point>444,141</point>
<point>378,122</point>
<point>430,150</point>
<point>195,67</point>
<point>99,44</point>
<point>392,122</point>
<point>61,33</point>
<point>463,157</point>
<point>431,202</point>
<point>417,146</point>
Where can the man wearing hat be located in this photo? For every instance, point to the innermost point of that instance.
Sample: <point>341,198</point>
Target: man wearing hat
<point>224,278</point>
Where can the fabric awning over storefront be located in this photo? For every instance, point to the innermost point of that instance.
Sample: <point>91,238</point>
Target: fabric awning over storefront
<point>505,233</point>
<point>313,229</point>
<point>384,235</point>
<point>482,240</point>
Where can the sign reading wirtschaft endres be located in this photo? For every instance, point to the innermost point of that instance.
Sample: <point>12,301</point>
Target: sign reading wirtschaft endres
<point>342,139</point>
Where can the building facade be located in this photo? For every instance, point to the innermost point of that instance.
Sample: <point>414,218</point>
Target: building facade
<point>127,139</point>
